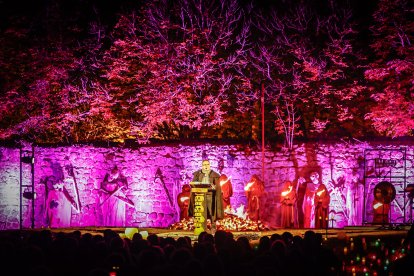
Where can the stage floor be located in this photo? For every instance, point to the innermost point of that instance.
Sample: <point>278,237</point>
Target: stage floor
<point>253,236</point>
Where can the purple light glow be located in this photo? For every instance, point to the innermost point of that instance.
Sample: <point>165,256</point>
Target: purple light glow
<point>152,178</point>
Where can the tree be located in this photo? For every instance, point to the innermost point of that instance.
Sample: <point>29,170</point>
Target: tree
<point>193,69</point>
<point>177,62</point>
<point>391,73</point>
<point>34,81</point>
<point>53,89</point>
<point>304,58</point>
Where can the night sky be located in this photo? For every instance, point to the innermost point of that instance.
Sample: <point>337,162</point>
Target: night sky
<point>360,9</point>
<point>41,16</point>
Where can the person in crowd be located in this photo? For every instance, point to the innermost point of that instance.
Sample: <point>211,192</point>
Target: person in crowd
<point>287,200</point>
<point>107,253</point>
<point>405,264</point>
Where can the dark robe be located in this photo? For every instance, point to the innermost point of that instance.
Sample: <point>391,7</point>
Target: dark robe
<point>253,199</point>
<point>227,191</point>
<point>287,211</point>
<point>214,200</point>
<point>381,212</point>
<point>183,200</point>
<point>322,200</point>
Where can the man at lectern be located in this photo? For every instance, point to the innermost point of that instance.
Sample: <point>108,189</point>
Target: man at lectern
<point>214,196</point>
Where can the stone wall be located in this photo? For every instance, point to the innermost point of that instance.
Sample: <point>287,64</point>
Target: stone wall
<point>155,175</point>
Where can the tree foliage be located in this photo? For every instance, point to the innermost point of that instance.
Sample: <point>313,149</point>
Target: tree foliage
<point>191,69</point>
<point>391,73</point>
<point>176,63</point>
<point>305,59</point>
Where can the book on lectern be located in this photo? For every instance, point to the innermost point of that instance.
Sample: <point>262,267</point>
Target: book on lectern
<point>196,184</point>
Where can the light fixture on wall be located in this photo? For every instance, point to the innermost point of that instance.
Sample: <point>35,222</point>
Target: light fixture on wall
<point>28,195</point>
<point>26,159</point>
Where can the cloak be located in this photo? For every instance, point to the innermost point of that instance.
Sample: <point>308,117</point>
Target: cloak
<point>217,200</point>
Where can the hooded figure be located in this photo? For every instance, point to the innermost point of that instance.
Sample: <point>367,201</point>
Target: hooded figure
<point>254,190</point>
<point>322,200</point>
<point>227,190</point>
<point>183,200</point>
<point>287,199</point>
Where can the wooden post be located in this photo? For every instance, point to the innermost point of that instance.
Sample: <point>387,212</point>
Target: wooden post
<point>263,133</point>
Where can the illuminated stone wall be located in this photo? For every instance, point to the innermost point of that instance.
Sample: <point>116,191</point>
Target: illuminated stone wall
<point>156,174</point>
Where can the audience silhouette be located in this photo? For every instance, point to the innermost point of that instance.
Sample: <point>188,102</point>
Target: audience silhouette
<point>47,253</point>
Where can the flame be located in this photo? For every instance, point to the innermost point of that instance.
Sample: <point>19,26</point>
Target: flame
<point>228,210</point>
<point>248,185</point>
<point>234,220</point>
<point>224,182</point>
<point>285,193</point>
<point>320,192</point>
<point>184,198</point>
<point>377,205</point>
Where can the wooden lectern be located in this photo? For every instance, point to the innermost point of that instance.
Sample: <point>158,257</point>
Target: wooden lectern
<point>198,193</point>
